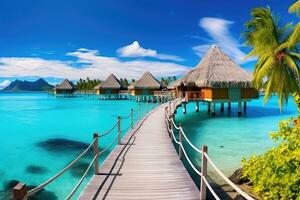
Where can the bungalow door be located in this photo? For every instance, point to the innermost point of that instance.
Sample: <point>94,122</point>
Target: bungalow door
<point>145,92</point>
<point>234,94</point>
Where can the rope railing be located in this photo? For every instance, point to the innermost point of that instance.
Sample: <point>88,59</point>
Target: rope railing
<point>171,125</point>
<point>20,190</point>
<point>229,182</point>
<point>184,152</point>
<point>108,131</point>
<point>40,187</point>
<point>185,137</point>
<point>81,179</point>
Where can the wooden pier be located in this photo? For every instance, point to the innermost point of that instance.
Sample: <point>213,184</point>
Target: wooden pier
<point>144,166</point>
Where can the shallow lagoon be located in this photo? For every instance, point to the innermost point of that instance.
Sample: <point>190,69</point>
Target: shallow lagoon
<point>230,138</point>
<point>40,134</point>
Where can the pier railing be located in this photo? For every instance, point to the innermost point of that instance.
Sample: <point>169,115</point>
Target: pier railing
<point>203,154</point>
<point>20,190</point>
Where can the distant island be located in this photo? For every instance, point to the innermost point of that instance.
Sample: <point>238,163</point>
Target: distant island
<point>22,86</point>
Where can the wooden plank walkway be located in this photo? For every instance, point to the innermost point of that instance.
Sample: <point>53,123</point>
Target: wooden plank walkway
<point>147,167</point>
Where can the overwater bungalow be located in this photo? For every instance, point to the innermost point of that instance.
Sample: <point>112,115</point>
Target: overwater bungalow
<point>65,88</point>
<point>111,88</point>
<point>216,79</point>
<point>145,87</point>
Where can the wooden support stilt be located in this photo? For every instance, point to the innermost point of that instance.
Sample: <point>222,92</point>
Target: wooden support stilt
<point>213,109</point>
<point>119,130</point>
<point>222,107</point>
<point>180,151</point>
<point>239,108</point>
<point>197,106</point>
<point>208,107</point>
<point>96,153</point>
<point>245,105</point>
<point>184,108</point>
<point>203,172</point>
<point>229,106</point>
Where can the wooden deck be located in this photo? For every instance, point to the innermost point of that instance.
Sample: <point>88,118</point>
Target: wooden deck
<point>147,167</point>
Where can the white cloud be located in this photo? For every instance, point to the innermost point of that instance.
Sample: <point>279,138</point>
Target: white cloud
<point>135,50</point>
<point>218,30</point>
<point>4,84</point>
<point>90,63</point>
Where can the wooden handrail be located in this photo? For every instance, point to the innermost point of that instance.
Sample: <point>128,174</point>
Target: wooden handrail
<point>169,114</point>
<point>20,191</point>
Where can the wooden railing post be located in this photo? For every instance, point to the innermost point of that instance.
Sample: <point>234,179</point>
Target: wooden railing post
<point>171,128</point>
<point>131,118</point>
<point>119,130</point>
<point>96,153</point>
<point>20,191</point>
<point>204,173</point>
<point>180,153</point>
<point>170,108</point>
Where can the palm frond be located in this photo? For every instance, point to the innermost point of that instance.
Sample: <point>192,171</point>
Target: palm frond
<point>295,8</point>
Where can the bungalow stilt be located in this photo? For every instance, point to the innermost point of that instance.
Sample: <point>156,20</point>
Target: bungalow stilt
<point>222,107</point>
<point>197,106</point>
<point>184,108</point>
<point>213,109</point>
<point>239,108</point>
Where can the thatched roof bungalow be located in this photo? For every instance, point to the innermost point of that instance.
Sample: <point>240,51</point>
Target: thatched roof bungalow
<point>65,87</point>
<point>216,78</point>
<point>111,85</point>
<point>146,85</point>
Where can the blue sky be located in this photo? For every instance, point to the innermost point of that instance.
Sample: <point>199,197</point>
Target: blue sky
<point>55,39</point>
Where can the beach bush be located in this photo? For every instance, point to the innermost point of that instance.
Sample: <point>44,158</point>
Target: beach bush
<point>276,173</point>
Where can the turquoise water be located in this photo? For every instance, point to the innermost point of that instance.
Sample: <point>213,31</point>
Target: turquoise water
<point>230,138</point>
<point>41,134</point>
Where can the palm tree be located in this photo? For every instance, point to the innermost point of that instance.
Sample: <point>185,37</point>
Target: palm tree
<point>295,8</point>
<point>277,68</point>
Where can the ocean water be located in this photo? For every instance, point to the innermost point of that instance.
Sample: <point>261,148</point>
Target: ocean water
<point>41,134</point>
<point>230,138</point>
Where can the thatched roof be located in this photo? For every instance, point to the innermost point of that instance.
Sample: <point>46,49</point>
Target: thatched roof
<point>111,82</point>
<point>175,84</point>
<point>216,70</point>
<point>147,81</point>
<point>65,85</point>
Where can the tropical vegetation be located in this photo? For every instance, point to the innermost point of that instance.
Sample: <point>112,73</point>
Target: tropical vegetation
<point>276,173</point>
<point>295,8</point>
<point>277,68</point>
<point>87,84</point>
<point>168,80</point>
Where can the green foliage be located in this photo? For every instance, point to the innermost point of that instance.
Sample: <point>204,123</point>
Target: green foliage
<point>277,68</point>
<point>124,82</point>
<point>168,80</point>
<point>87,84</point>
<point>295,8</point>
<point>276,173</point>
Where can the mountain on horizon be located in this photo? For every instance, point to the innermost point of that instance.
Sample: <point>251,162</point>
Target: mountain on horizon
<point>19,86</point>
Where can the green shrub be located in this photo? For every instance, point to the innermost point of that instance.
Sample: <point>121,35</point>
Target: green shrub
<point>276,173</point>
